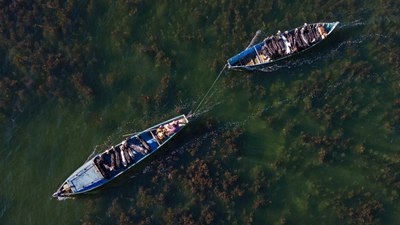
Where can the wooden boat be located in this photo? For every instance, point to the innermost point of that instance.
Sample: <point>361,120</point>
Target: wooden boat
<point>281,46</point>
<point>104,167</point>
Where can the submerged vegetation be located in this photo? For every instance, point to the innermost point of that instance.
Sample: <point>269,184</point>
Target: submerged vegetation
<point>45,52</point>
<point>315,139</point>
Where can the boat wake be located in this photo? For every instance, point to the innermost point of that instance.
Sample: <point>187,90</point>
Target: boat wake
<point>197,114</point>
<point>359,40</point>
<point>207,106</point>
<point>64,198</point>
<point>185,147</point>
<point>292,64</point>
<point>355,23</point>
<point>332,89</point>
<point>94,152</point>
<point>98,149</point>
<point>289,64</point>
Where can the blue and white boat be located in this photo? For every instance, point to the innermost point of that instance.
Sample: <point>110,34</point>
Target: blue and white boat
<point>281,46</point>
<point>104,167</point>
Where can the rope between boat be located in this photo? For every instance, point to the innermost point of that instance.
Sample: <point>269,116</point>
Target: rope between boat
<point>208,92</point>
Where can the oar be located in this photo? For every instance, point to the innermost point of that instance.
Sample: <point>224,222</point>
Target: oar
<point>254,39</point>
<point>131,134</point>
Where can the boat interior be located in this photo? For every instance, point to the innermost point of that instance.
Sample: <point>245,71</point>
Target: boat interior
<point>120,157</point>
<point>284,44</point>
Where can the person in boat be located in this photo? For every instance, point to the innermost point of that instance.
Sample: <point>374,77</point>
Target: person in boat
<point>139,149</point>
<point>112,160</point>
<point>281,45</point>
<point>274,47</point>
<point>100,165</point>
<point>313,32</point>
<point>124,151</point>
<point>117,157</point>
<point>125,143</point>
<point>264,54</point>
<point>267,45</point>
<point>249,61</point>
<point>286,42</point>
<point>264,57</point>
<point>266,51</point>
<point>303,37</point>
<point>121,152</point>
<point>297,40</point>
<point>130,153</point>
<point>321,31</point>
<point>281,42</point>
<point>66,188</point>
<point>306,34</point>
<point>181,122</point>
<point>172,128</point>
<point>127,156</point>
<point>107,166</point>
<point>128,150</point>
<point>290,39</point>
<point>143,143</point>
<point>161,133</point>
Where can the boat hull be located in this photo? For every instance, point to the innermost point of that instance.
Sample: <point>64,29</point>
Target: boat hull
<point>106,166</point>
<point>251,59</point>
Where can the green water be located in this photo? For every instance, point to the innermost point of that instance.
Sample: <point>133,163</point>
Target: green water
<point>314,140</point>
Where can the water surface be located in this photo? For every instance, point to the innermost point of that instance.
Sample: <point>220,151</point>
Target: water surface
<point>314,138</point>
